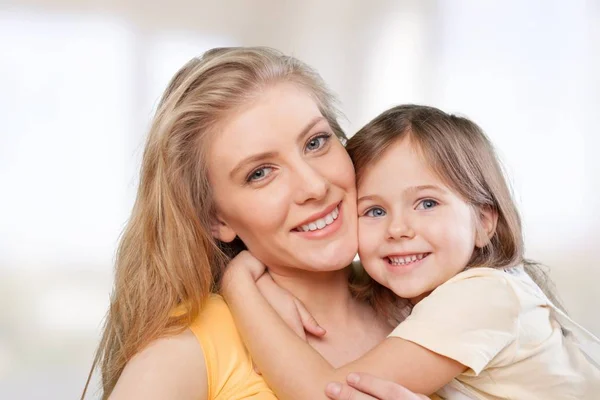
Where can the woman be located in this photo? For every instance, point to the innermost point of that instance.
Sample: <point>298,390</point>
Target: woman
<point>228,123</point>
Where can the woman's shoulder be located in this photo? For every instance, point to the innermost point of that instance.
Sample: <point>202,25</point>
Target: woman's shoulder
<point>168,367</point>
<point>215,322</point>
<point>214,307</point>
<point>221,343</point>
<point>229,368</point>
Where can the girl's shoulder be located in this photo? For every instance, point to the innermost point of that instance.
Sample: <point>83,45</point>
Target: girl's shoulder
<point>475,317</point>
<point>514,280</point>
<point>481,291</point>
<point>501,274</point>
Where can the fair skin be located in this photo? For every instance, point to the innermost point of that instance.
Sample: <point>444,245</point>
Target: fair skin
<point>289,181</point>
<point>274,166</point>
<point>414,235</point>
<point>417,233</point>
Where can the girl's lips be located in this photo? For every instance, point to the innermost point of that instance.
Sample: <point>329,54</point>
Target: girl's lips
<point>405,258</point>
<point>407,266</point>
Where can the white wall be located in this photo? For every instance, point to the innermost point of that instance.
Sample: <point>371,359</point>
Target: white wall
<point>78,81</point>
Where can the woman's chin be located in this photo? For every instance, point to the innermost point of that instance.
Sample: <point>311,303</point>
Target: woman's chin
<point>332,261</point>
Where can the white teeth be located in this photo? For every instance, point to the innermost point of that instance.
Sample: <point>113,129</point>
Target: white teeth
<point>321,222</point>
<point>407,259</point>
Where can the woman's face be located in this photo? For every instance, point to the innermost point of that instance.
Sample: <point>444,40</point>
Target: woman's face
<point>284,184</point>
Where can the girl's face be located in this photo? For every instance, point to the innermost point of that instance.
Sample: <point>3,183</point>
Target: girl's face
<point>414,233</point>
<point>284,184</point>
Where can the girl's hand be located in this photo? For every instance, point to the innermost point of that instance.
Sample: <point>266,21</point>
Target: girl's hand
<point>289,308</point>
<point>246,269</point>
<point>361,386</point>
<point>243,269</point>
<point>246,262</point>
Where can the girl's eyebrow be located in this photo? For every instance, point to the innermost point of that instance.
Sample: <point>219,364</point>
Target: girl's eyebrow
<point>416,189</point>
<point>410,190</point>
<point>372,197</point>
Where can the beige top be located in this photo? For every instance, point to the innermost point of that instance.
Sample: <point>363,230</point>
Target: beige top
<point>501,326</point>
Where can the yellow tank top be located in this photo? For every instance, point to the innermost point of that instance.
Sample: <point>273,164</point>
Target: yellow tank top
<point>228,363</point>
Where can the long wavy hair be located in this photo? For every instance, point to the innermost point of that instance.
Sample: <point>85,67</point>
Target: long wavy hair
<point>460,153</point>
<point>167,257</point>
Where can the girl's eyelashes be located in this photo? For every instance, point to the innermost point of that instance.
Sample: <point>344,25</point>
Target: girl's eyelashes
<point>427,204</point>
<point>378,211</point>
<point>375,212</point>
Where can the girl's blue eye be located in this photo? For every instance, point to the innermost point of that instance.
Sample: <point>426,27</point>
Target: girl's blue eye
<point>427,204</point>
<point>317,142</point>
<point>375,212</point>
<point>259,174</point>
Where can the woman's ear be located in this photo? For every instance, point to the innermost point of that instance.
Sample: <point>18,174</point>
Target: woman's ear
<point>222,231</point>
<point>488,220</point>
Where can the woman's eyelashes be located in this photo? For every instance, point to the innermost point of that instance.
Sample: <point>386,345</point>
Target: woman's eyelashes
<point>317,142</point>
<point>259,174</point>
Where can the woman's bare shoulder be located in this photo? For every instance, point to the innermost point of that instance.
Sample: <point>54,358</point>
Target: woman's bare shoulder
<point>169,367</point>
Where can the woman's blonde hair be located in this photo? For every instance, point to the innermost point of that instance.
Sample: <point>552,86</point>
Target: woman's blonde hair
<point>464,158</point>
<point>167,256</point>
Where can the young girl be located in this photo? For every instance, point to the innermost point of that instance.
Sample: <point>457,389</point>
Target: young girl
<point>438,227</point>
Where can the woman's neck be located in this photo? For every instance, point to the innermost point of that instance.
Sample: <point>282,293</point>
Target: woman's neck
<point>325,294</point>
<point>352,326</point>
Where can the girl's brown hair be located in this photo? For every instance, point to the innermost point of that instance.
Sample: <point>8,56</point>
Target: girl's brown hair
<point>464,158</point>
<point>167,256</point>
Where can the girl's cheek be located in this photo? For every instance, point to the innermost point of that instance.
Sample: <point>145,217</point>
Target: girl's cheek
<point>367,238</point>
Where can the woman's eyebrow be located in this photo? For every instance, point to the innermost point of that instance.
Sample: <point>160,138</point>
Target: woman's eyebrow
<point>271,154</point>
<point>252,159</point>
<point>309,126</point>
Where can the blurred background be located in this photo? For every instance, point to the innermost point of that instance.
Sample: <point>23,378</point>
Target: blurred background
<point>79,81</point>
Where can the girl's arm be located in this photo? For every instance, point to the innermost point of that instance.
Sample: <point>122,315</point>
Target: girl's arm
<point>369,387</point>
<point>290,309</point>
<point>294,370</point>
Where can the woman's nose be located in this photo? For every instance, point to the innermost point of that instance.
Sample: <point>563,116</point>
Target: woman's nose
<point>311,184</point>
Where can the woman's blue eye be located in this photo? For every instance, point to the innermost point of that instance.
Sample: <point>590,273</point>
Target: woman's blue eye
<point>317,142</point>
<point>375,212</point>
<point>427,204</point>
<point>259,174</point>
